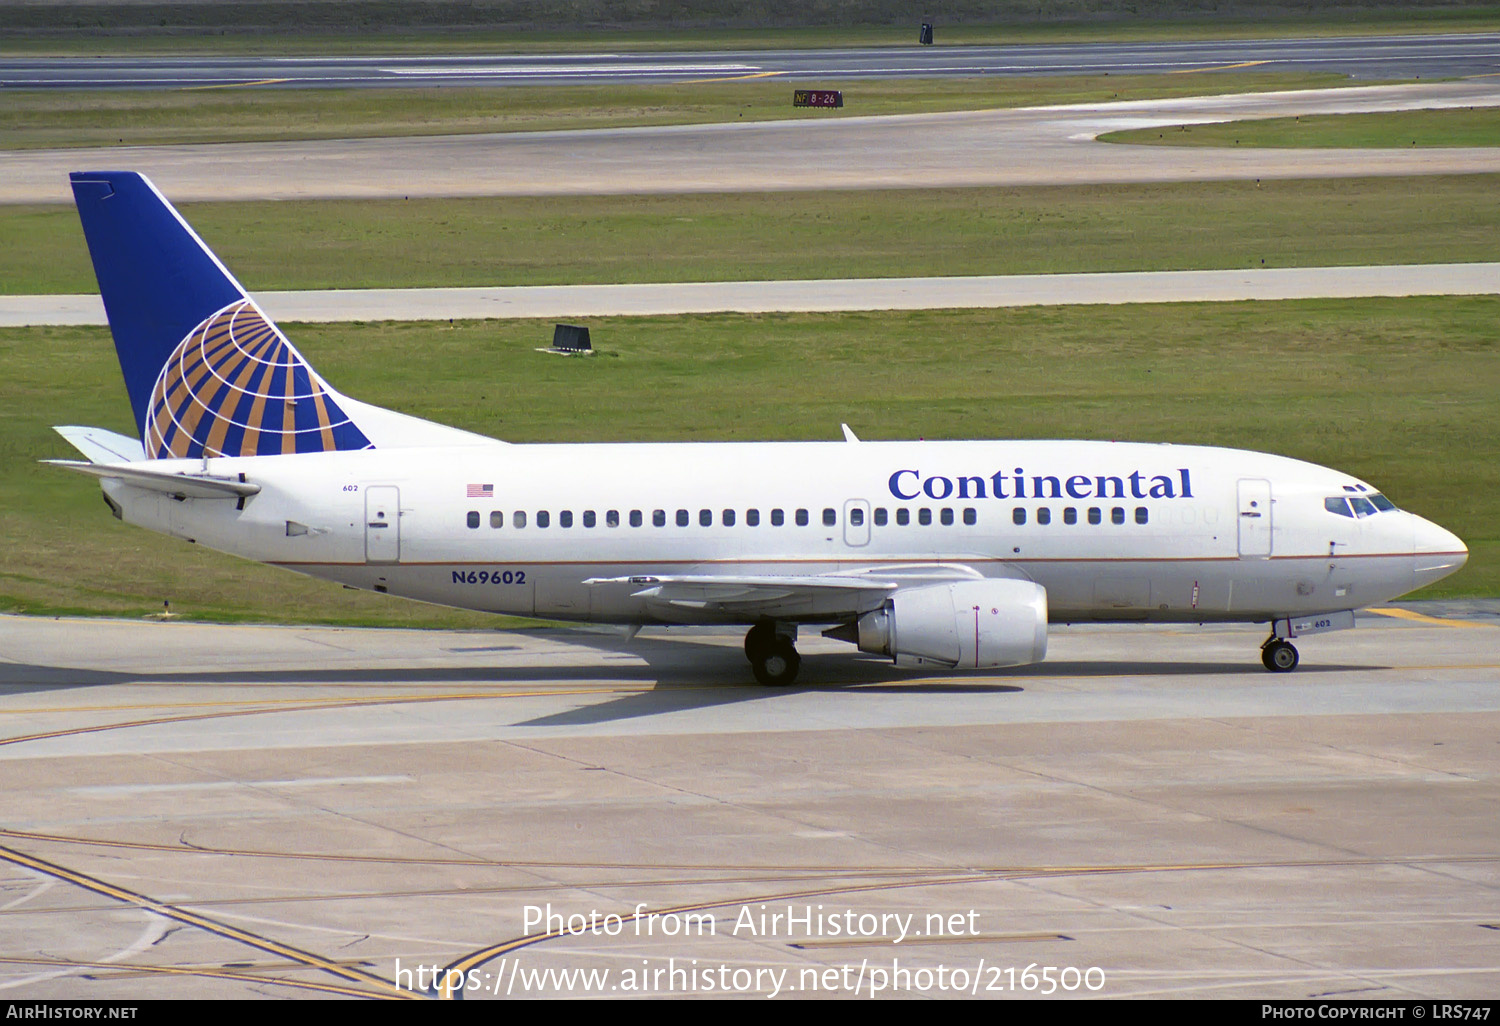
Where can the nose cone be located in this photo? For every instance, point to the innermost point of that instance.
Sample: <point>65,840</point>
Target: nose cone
<point>1436,552</point>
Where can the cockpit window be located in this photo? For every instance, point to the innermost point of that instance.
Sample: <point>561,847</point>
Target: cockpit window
<point>1366,505</point>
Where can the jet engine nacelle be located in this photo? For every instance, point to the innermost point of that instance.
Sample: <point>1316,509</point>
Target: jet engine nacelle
<point>971,624</point>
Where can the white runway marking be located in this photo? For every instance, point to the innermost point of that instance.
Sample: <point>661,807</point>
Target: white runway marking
<point>44,884</point>
<point>155,929</point>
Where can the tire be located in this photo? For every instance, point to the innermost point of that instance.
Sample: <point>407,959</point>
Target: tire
<point>778,666</point>
<point>1280,657</point>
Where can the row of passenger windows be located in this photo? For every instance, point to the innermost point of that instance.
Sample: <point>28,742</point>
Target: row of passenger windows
<point>684,518</point>
<point>1070,515</point>
<point>728,517</point>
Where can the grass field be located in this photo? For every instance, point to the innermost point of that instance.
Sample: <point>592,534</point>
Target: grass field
<point>72,118</point>
<point>1467,126</point>
<point>567,240</point>
<point>1401,392</point>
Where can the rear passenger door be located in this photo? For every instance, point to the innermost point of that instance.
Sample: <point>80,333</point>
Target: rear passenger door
<point>382,524</point>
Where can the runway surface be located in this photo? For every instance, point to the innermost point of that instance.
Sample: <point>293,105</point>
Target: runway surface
<point>1412,56</point>
<point>1028,146</point>
<point>209,811</point>
<point>344,305</point>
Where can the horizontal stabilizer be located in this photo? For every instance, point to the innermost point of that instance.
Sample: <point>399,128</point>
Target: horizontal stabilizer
<point>101,446</point>
<point>186,486</point>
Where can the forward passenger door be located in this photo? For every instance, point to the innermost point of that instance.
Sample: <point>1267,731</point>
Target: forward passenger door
<point>1255,518</point>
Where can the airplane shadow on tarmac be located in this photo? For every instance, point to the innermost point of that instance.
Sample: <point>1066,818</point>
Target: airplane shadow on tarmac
<point>685,672</point>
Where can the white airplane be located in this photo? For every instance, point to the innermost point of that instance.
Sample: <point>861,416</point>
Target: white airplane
<point>937,554</point>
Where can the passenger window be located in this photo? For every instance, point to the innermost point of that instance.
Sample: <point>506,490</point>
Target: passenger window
<point>635,518</point>
<point>727,518</point>
<point>830,517</point>
<point>1095,516</point>
<point>752,518</point>
<point>857,517</point>
<point>1141,516</point>
<point>473,518</point>
<point>682,518</point>
<point>497,519</point>
<point>658,518</point>
<point>802,518</point>
<point>971,516</point>
<point>706,518</point>
<point>880,517</point>
<point>1070,515</point>
<point>612,518</point>
<point>903,516</point>
<point>1117,515</point>
<point>946,516</point>
<point>777,518</point>
<point>518,518</point>
<point>924,516</point>
<point>1044,516</point>
<point>1018,515</point>
<point>565,518</point>
<point>588,518</point>
<point>543,518</point>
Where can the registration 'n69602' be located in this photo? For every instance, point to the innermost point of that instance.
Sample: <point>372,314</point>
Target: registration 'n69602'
<point>492,577</point>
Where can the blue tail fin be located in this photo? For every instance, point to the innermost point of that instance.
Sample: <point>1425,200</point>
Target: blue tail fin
<point>207,372</point>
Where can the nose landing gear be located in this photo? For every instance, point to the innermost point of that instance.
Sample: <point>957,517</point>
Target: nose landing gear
<point>1279,655</point>
<point>772,651</point>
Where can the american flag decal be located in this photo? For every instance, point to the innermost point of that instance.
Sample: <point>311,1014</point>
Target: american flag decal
<point>481,491</point>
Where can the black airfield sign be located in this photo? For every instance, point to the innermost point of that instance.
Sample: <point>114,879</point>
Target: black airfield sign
<point>817,98</point>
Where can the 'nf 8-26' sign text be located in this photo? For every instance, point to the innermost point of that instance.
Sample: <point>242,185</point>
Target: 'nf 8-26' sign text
<point>817,98</point>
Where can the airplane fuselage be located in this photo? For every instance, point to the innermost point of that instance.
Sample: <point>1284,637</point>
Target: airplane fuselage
<point>1110,530</point>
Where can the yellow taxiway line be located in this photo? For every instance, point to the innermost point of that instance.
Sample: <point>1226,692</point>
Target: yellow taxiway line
<point>1217,67</point>
<point>236,85</point>
<point>1407,614</point>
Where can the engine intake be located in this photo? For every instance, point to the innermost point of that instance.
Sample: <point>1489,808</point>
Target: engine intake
<point>969,624</point>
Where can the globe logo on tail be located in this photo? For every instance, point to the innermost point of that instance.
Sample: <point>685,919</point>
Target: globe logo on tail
<point>236,387</point>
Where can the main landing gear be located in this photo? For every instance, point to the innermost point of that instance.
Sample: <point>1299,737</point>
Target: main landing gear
<point>772,651</point>
<point>1278,655</point>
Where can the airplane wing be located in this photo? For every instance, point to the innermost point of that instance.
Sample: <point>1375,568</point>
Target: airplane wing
<point>736,596</point>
